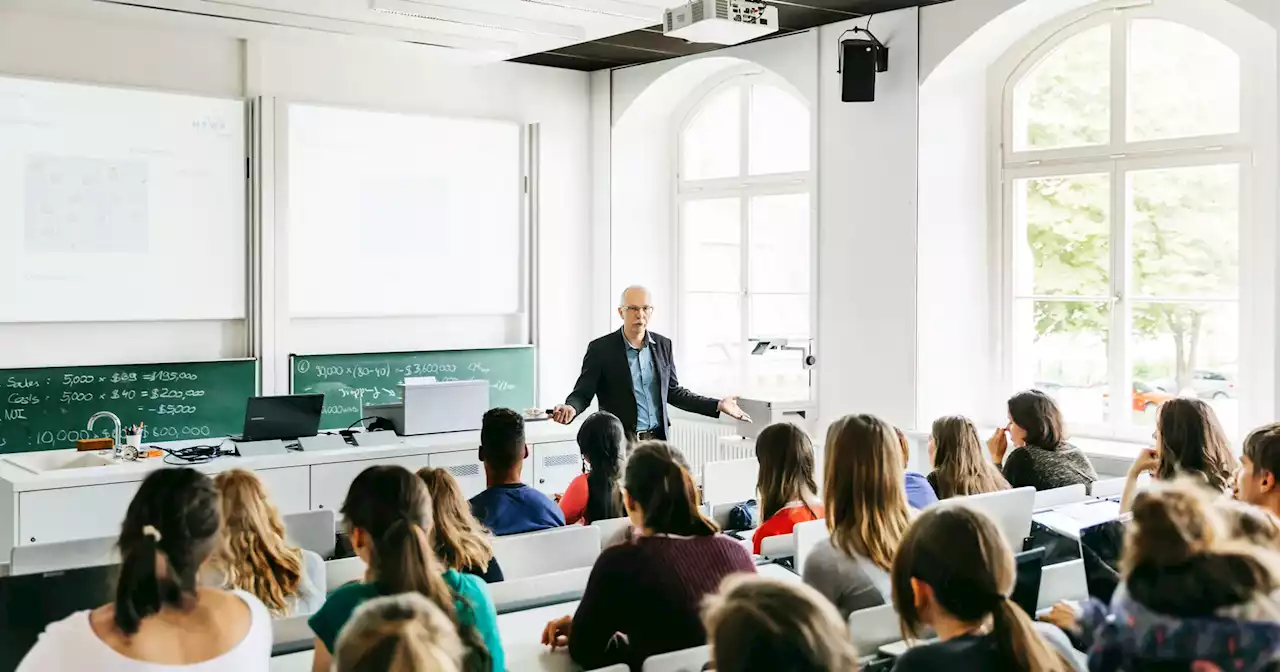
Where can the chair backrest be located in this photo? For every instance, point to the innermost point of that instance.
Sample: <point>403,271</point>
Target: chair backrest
<point>873,628</point>
<point>547,551</point>
<point>778,546</point>
<point>615,668</point>
<point>63,555</point>
<point>1063,581</point>
<point>688,660</point>
<point>1010,509</point>
<point>1112,487</point>
<point>315,531</point>
<point>291,631</point>
<point>720,512</point>
<point>807,535</point>
<point>730,481</point>
<point>1047,499</point>
<point>338,573</point>
<point>611,529</point>
<point>539,591</point>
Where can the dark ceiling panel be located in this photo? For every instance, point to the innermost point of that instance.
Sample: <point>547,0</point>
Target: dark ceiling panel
<point>648,45</point>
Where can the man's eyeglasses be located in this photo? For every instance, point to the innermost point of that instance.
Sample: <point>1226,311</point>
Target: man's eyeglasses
<point>636,310</point>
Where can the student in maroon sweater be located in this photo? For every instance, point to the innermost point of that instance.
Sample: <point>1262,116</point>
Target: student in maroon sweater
<point>645,597</point>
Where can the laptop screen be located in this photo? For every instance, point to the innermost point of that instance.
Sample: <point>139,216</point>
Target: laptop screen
<point>282,417</point>
<point>29,603</point>
<point>1026,588</point>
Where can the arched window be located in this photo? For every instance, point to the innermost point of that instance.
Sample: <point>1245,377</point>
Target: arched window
<point>745,271</point>
<point>1125,164</point>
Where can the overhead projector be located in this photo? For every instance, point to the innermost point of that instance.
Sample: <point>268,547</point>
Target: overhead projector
<point>720,21</point>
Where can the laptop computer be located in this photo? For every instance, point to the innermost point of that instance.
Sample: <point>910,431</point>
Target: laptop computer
<point>29,603</point>
<point>282,417</point>
<point>1026,587</point>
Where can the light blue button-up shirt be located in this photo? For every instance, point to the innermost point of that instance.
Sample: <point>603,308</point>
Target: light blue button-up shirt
<point>644,384</point>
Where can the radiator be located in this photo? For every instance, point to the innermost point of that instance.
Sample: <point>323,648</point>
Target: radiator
<point>700,442</point>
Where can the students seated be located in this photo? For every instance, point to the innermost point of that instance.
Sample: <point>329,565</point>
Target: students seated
<point>867,514</point>
<point>596,494</point>
<point>954,573</point>
<point>959,466</point>
<point>460,541</point>
<point>766,625</point>
<point>1189,441</point>
<point>388,515</point>
<point>401,633</point>
<point>161,619</point>
<point>644,597</point>
<point>254,556</point>
<point>1259,468</point>
<point>920,492</point>
<point>785,485</point>
<point>509,506</point>
<point>1191,597</point>
<point>1043,459</point>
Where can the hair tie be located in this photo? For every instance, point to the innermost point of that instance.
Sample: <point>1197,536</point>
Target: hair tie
<point>151,531</point>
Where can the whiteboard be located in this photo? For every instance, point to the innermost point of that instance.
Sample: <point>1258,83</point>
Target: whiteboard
<point>403,215</point>
<point>120,205</point>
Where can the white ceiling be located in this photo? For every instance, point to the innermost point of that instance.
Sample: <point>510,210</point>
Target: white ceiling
<point>496,29</point>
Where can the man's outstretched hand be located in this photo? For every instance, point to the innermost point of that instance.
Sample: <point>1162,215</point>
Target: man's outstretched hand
<point>563,414</point>
<point>729,406</point>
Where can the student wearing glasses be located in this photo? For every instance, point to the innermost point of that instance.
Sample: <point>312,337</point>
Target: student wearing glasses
<point>633,373</point>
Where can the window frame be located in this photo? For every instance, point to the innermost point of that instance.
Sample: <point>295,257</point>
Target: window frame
<point>743,186</point>
<point>1117,159</point>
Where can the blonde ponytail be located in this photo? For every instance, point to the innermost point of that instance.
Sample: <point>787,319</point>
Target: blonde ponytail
<point>401,633</point>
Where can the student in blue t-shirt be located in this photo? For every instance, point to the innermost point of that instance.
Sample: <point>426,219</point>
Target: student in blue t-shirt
<point>509,506</point>
<point>920,493</point>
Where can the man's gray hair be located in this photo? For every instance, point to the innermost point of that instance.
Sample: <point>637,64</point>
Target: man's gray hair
<point>622,298</point>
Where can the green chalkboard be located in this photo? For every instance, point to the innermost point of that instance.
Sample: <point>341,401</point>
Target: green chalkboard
<point>345,380</point>
<point>47,409</point>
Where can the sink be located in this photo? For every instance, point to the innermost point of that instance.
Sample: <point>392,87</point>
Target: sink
<point>59,460</point>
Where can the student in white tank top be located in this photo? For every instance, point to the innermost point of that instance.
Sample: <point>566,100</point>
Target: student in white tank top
<point>160,619</point>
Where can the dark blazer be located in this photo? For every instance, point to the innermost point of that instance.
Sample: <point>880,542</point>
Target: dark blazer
<point>606,374</point>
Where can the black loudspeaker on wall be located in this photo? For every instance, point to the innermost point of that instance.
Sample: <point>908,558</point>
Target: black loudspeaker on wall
<point>860,60</point>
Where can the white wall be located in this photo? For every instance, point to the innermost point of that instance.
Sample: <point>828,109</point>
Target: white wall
<point>214,58</point>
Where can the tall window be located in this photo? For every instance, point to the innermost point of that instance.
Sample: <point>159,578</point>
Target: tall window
<point>745,272</point>
<point>1126,161</point>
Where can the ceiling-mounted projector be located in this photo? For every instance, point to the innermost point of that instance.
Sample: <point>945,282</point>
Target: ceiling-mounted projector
<point>720,21</point>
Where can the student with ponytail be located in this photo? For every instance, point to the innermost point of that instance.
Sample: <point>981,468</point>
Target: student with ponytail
<point>954,573</point>
<point>644,597</point>
<point>388,514</point>
<point>402,633</point>
<point>597,494</point>
<point>161,619</point>
<point>1192,595</point>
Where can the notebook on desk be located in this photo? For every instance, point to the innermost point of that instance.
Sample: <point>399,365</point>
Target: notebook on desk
<point>29,603</point>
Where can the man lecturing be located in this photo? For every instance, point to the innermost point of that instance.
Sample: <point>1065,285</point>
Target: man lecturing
<point>633,372</point>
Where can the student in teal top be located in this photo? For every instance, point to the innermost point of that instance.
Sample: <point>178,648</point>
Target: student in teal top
<point>388,513</point>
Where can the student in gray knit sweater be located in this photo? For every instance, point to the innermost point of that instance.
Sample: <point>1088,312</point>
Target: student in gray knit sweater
<point>1043,458</point>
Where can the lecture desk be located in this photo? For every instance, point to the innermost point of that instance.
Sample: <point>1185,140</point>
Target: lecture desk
<point>522,636</point>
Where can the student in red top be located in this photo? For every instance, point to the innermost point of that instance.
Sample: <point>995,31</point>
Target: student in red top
<point>596,494</point>
<point>785,484</point>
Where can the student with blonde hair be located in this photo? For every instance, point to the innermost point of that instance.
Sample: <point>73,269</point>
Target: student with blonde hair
<point>460,540</point>
<point>954,573</point>
<point>866,511</point>
<point>960,467</point>
<point>757,624</point>
<point>254,556</point>
<point>400,633</point>
<point>1193,595</point>
<point>785,485</point>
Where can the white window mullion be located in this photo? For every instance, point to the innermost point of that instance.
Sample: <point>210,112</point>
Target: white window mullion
<point>1119,82</point>
<point>1119,366</point>
<point>744,265</point>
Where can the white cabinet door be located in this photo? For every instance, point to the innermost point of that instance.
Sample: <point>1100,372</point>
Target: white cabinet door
<point>555,465</point>
<point>47,516</point>
<point>289,488</point>
<point>330,482</point>
<point>465,466</point>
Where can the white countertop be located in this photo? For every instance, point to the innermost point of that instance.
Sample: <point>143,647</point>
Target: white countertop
<point>23,480</point>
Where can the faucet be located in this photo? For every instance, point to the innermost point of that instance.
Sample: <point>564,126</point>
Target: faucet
<point>115,433</point>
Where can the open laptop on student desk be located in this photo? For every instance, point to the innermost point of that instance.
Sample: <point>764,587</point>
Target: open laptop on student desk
<point>1026,591</point>
<point>269,421</point>
<point>29,603</point>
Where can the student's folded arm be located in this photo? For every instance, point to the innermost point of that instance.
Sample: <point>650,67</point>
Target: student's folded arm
<point>601,614</point>
<point>574,502</point>
<point>1094,614</point>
